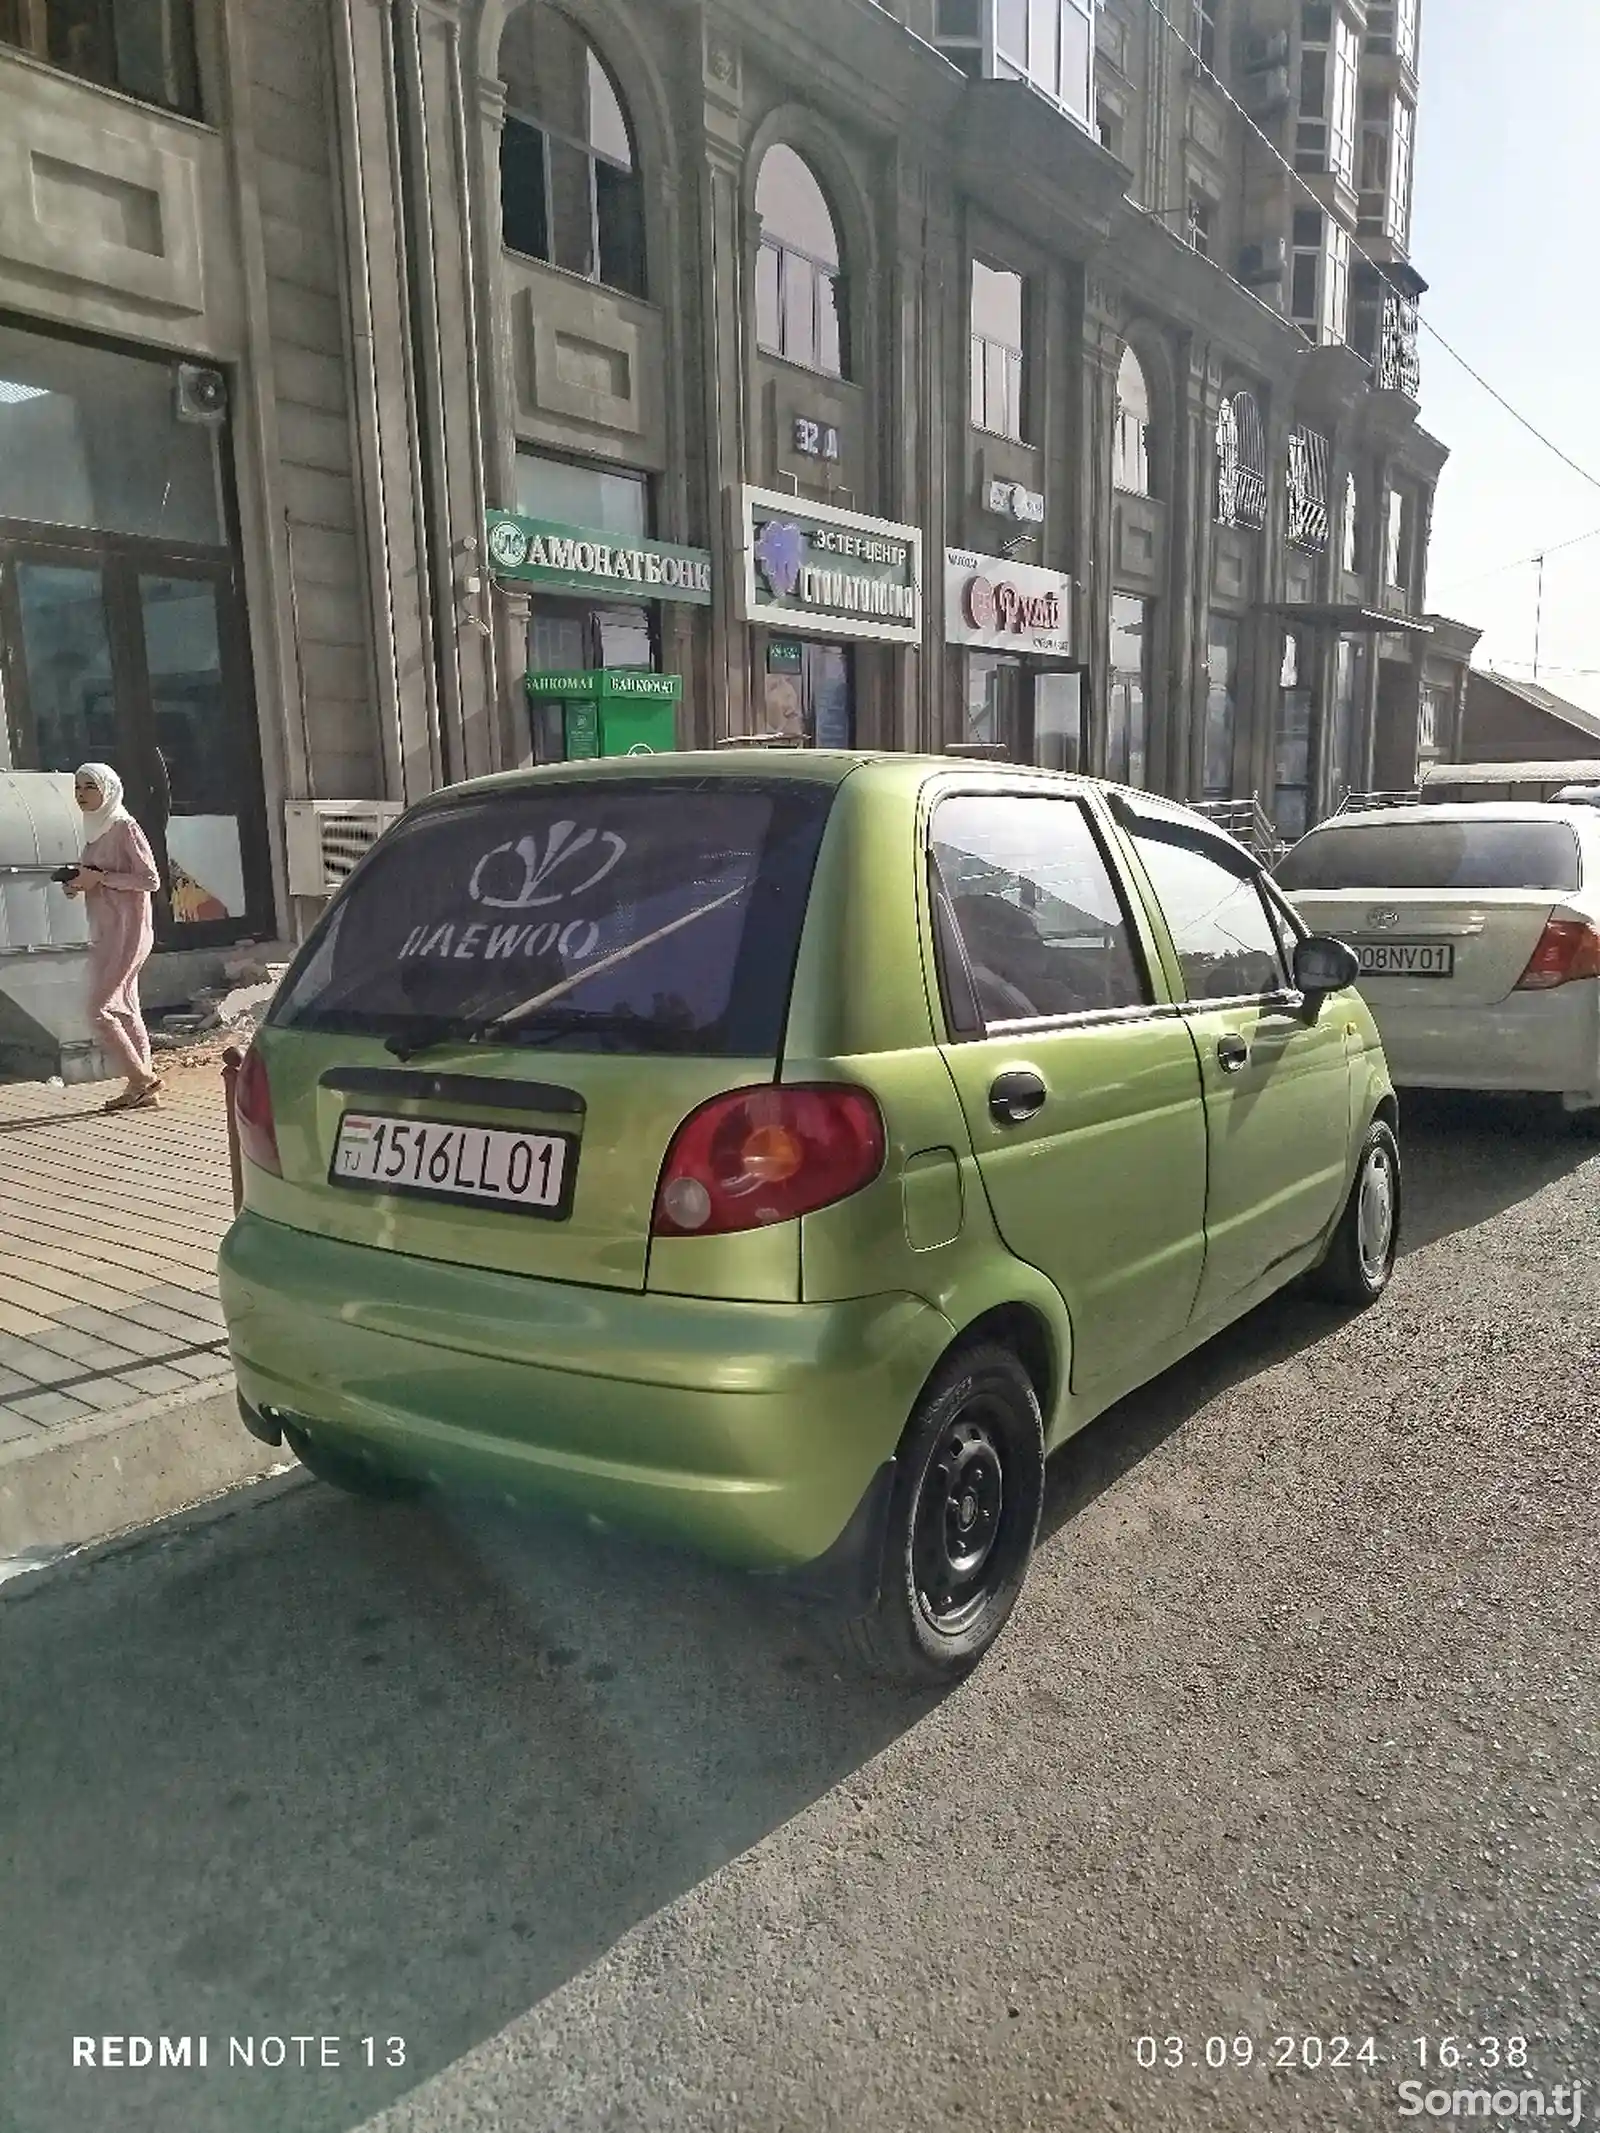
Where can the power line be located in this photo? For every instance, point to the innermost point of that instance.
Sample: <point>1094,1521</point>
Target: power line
<point>1366,257</point>
<point>1522,562</point>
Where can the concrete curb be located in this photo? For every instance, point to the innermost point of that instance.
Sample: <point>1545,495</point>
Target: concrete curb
<point>109,1473</point>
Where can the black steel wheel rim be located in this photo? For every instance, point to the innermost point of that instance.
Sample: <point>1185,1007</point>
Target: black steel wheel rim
<point>965,1510</point>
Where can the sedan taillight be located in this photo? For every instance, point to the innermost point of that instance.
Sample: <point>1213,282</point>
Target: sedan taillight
<point>1569,948</point>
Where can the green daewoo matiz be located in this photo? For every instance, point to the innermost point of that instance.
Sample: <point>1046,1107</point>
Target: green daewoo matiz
<point>783,1153</point>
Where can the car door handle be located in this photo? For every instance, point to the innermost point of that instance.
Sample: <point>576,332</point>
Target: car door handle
<point>1233,1054</point>
<point>1016,1096</point>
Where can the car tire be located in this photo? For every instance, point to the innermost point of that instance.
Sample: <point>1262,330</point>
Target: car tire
<point>963,1517</point>
<point>1360,1259</point>
<point>347,1471</point>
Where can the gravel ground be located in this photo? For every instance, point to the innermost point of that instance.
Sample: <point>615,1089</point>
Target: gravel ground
<point>1294,1737</point>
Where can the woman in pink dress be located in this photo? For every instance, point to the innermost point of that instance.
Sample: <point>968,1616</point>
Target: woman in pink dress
<point>117,878</point>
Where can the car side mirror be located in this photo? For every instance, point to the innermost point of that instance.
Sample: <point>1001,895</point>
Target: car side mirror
<point>1323,965</point>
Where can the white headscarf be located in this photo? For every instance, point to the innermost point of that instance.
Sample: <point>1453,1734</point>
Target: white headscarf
<point>109,786</point>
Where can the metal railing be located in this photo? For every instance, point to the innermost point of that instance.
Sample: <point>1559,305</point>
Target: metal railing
<point>1358,802</point>
<point>1249,822</point>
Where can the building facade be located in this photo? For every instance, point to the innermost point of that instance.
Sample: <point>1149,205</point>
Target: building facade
<point>397,390</point>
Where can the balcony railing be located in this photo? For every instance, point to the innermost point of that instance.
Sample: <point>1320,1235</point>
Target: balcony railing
<point>1399,365</point>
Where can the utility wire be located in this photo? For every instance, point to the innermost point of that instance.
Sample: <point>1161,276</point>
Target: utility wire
<point>1523,562</point>
<point>1366,257</point>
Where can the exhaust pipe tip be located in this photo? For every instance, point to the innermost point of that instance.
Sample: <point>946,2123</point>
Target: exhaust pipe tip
<point>265,1426</point>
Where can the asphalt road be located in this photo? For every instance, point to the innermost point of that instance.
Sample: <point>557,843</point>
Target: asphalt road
<point>1296,1736</point>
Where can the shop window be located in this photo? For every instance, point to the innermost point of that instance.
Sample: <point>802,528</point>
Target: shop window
<point>570,191</point>
<point>1128,697</point>
<point>1130,452</point>
<point>1241,463</point>
<point>600,499</point>
<point>1222,704</point>
<point>998,305</point>
<point>1292,754</point>
<point>89,437</point>
<point>145,48</point>
<point>800,288</point>
<point>994,703</point>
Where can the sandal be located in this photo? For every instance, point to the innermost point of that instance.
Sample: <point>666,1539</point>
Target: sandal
<point>146,1099</point>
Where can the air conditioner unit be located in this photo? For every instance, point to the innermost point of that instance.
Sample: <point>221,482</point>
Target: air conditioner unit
<point>1263,263</point>
<point>202,394</point>
<point>324,840</point>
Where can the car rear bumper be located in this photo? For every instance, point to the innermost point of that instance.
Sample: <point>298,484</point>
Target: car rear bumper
<point>756,1433</point>
<point>1547,1041</point>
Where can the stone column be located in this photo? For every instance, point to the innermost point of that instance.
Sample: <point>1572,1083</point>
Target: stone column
<point>1099,359</point>
<point>1192,518</point>
<point>723,366</point>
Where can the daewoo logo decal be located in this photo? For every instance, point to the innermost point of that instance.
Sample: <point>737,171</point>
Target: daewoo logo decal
<point>548,877</point>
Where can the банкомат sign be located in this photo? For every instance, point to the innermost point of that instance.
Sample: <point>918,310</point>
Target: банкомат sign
<point>1012,607</point>
<point>833,573</point>
<point>579,559</point>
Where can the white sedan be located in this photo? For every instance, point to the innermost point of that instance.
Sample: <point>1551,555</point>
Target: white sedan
<point>1477,927</point>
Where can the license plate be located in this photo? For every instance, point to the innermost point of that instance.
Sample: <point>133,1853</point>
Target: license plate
<point>529,1173</point>
<point>1407,959</point>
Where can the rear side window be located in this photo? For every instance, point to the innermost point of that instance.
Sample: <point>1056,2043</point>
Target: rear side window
<point>608,917</point>
<point>1435,855</point>
<point>1227,945</point>
<point>1033,909</point>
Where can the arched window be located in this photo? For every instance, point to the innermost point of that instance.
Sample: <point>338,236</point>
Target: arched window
<point>569,180</point>
<point>1130,452</point>
<point>1241,463</point>
<point>800,288</point>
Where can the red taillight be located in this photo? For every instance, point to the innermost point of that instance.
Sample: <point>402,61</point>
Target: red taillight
<point>252,1108</point>
<point>765,1155</point>
<point>1568,948</point>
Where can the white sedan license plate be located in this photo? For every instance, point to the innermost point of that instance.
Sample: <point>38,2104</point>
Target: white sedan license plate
<point>529,1172</point>
<point>1406,959</point>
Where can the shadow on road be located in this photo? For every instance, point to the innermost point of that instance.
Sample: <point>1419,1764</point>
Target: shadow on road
<point>328,1769</point>
<point>1470,1157</point>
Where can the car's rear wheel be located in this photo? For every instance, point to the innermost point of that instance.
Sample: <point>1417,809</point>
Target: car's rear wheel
<point>1361,1257</point>
<point>348,1471</point>
<point>963,1516</point>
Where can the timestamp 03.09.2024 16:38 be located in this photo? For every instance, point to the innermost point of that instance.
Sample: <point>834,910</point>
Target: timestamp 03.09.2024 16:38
<point>1296,2051</point>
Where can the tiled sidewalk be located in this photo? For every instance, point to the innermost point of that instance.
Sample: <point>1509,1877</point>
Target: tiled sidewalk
<point>109,1230</point>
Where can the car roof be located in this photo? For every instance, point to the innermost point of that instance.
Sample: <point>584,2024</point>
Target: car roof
<point>824,766</point>
<point>1575,815</point>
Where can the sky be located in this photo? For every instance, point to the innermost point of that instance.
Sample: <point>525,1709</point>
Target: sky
<point>1504,235</point>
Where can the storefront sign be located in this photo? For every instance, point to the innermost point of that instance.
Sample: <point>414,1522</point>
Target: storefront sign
<point>1008,606</point>
<point>611,684</point>
<point>833,573</point>
<point>1009,499</point>
<point>577,559</point>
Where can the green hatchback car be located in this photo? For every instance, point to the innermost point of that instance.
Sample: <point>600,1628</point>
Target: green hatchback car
<point>783,1154</point>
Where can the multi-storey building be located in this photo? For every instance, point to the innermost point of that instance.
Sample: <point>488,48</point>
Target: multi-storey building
<point>393,390</point>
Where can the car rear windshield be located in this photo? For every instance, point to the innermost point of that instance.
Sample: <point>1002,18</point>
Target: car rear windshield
<point>658,917</point>
<point>1434,855</point>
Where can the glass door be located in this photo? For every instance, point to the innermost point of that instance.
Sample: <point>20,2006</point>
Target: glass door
<point>130,655</point>
<point>203,814</point>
